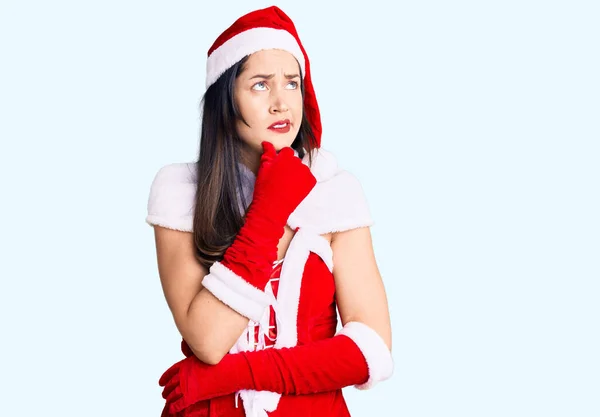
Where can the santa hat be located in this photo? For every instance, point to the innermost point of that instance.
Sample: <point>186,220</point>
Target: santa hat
<point>268,28</point>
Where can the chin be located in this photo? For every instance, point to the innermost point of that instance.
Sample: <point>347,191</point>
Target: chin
<point>280,145</point>
<point>281,141</point>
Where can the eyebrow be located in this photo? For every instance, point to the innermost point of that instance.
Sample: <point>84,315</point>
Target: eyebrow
<point>269,76</point>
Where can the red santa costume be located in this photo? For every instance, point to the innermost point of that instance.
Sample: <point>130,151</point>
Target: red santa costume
<point>289,361</point>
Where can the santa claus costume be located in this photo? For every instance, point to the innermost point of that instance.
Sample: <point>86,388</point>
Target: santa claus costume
<point>291,360</point>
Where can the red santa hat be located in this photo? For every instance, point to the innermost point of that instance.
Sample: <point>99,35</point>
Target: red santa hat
<point>268,28</point>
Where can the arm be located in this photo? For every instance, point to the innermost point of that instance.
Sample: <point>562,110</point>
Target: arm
<point>358,355</point>
<point>208,326</point>
<point>360,291</point>
<point>211,307</point>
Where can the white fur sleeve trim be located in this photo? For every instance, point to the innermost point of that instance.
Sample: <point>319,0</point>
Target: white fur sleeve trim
<point>172,197</point>
<point>236,292</point>
<point>334,205</point>
<point>376,353</point>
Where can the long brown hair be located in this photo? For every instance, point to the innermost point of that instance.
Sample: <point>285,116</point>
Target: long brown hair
<point>217,217</point>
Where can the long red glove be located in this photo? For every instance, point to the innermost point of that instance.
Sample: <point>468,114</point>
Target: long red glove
<point>239,280</point>
<point>320,366</point>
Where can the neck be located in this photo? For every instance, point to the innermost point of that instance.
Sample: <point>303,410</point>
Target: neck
<point>251,158</point>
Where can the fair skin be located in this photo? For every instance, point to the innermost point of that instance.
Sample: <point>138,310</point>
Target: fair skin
<point>210,327</point>
<point>267,91</point>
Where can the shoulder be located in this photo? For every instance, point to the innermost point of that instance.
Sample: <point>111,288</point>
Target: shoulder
<point>346,205</point>
<point>180,172</point>
<point>337,203</point>
<point>172,197</point>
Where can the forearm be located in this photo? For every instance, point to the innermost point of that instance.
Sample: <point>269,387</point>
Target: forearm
<point>212,327</point>
<point>356,356</point>
<point>234,288</point>
<point>232,292</point>
<point>321,366</point>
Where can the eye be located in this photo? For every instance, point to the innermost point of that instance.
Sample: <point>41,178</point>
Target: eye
<point>294,83</point>
<point>260,83</point>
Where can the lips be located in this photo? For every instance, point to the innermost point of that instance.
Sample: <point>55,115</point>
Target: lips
<point>280,124</point>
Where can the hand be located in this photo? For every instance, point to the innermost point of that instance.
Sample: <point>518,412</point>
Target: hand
<point>181,382</point>
<point>282,182</point>
<point>190,381</point>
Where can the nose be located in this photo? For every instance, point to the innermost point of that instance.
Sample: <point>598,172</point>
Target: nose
<point>278,104</point>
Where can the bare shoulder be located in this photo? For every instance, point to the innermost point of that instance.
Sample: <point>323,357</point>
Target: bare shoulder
<point>171,243</point>
<point>358,237</point>
<point>353,257</point>
<point>328,237</point>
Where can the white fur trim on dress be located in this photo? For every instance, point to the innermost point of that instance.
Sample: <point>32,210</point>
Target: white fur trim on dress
<point>334,205</point>
<point>172,197</point>
<point>236,292</point>
<point>376,353</point>
<point>288,294</point>
<point>290,283</point>
<point>246,43</point>
<point>324,164</point>
<point>285,305</point>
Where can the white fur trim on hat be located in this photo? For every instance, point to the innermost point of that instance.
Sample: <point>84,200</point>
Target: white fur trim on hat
<point>376,353</point>
<point>246,43</point>
<point>236,292</point>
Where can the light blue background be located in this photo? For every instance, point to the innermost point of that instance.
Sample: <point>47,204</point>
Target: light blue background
<point>472,126</point>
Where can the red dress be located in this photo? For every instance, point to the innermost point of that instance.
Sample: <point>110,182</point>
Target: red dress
<point>306,301</point>
<point>317,319</point>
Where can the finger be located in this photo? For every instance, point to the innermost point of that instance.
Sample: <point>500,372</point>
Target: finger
<point>268,148</point>
<point>165,411</point>
<point>286,152</point>
<point>175,395</point>
<point>169,388</point>
<point>267,158</point>
<point>168,374</point>
<point>177,406</point>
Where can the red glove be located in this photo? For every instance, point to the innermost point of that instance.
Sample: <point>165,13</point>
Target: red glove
<point>282,182</point>
<point>320,366</point>
<point>239,280</point>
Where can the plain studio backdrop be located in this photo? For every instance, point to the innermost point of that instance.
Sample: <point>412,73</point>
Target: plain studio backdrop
<point>473,127</point>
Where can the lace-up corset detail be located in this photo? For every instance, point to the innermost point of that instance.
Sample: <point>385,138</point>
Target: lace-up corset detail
<point>269,335</point>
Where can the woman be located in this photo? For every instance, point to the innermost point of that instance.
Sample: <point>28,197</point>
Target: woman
<point>246,240</point>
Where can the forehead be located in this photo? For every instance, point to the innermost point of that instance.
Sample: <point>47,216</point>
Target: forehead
<point>272,60</point>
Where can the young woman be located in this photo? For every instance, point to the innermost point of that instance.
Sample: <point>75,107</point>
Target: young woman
<point>262,241</point>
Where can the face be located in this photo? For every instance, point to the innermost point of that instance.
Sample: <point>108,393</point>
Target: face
<point>269,98</point>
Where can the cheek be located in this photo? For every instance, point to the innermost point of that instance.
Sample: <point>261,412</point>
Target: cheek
<point>247,108</point>
<point>297,107</point>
